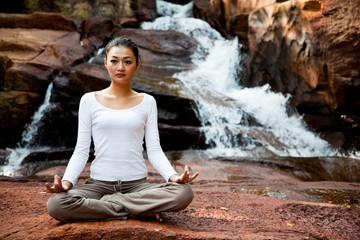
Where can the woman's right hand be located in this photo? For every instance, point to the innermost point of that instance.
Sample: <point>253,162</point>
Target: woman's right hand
<point>58,185</point>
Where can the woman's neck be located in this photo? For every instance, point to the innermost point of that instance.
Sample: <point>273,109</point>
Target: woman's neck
<point>120,91</point>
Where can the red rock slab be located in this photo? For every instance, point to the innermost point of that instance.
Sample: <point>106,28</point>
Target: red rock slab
<point>214,214</point>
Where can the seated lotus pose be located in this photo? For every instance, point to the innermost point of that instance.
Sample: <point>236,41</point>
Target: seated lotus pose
<point>118,119</point>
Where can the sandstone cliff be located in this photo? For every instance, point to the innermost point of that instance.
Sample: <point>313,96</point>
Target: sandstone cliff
<point>308,49</point>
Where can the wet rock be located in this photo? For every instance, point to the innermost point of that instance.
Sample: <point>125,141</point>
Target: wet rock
<point>97,30</point>
<point>49,155</point>
<point>181,137</point>
<point>16,109</point>
<point>39,20</point>
<point>29,77</point>
<point>30,58</point>
<point>174,111</point>
<point>4,153</point>
<point>228,17</point>
<point>283,52</point>
<point>116,10</point>
<point>301,48</point>
<point>343,169</point>
<point>340,47</point>
<point>161,45</point>
<point>87,77</point>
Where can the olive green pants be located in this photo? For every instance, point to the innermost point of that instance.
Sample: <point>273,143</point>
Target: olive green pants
<point>100,200</point>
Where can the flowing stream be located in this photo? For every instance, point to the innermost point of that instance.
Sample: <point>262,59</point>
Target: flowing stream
<point>28,143</point>
<point>237,121</point>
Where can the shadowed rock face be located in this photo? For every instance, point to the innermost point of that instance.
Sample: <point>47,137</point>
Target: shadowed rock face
<point>123,11</point>
<point>32,57</point>
<point>304,48</point>
<point>228,17</point>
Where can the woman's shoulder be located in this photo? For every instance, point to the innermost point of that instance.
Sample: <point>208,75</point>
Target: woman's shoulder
<point>149,98</point>
<point>87,98</point>
<point>88,95</point>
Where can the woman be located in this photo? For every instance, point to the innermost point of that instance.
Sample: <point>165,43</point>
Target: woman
<point>118,119</point>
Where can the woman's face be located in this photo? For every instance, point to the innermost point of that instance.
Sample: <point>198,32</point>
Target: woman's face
<point>121,64</point>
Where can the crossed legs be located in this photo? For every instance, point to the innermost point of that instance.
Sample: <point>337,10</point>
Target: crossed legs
<point>97,200</point>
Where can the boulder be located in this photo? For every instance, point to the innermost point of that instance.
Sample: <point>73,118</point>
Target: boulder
<point>176,138</point>
<point>283,52</point>
<point>29,60</point>
<point>4,153</point>
<point>30,77</point>
<point>116,10</point>
<point>87,77</point>
<point>336,31</point>
<point>48,156</point>
<point>302,48</point>
<point>161,45</point>
<point>40,56</point>
<point>38,20</point>
<point>16,109</point>
<point>56,49</point>
<point>175,113</point>
<point>228,17</point>
<point>98,30</point>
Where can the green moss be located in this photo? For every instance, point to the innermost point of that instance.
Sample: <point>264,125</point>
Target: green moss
<point>65,8</point>
<point>4,89</point>
<point>342,197</point>
<point>31,5</point>
<point>82,11</point>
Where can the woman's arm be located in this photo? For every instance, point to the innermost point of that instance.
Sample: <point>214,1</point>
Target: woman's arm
<point>155,153</point>
<point>81,154</point>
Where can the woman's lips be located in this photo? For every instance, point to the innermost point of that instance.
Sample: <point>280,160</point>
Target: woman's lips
<point>120,75</point>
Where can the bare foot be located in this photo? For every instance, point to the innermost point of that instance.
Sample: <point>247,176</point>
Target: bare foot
<point>158,216</point>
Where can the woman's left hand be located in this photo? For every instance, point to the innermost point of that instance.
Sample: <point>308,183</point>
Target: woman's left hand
<point>185,177</point>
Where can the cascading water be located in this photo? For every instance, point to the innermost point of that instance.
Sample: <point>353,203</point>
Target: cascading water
<point>28,144</point>
<point>224,107</point>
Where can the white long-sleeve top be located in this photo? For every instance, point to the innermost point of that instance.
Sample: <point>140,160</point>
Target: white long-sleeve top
<point>118,139</point>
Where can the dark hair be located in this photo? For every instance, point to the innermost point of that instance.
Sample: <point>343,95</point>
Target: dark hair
<point>126,42</point>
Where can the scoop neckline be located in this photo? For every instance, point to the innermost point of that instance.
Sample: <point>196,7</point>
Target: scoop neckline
<point>112,109</point>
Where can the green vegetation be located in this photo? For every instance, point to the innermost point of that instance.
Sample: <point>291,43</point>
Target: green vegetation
<point>30,5</point>
<point>3,88</point>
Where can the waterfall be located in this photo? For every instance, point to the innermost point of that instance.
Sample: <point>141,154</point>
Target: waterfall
<point>237,121</point>
<point>28,144</point>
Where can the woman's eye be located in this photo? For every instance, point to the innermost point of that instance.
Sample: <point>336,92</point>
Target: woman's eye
<point>128,62</point>
<point>113,61</point>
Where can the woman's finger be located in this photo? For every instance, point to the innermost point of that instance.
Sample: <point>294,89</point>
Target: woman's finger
<point>193,176</point>
<point>48,187</point>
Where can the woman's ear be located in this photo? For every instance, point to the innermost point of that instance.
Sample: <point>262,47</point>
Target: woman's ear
<point>138,65</point>
<point>105,61</point>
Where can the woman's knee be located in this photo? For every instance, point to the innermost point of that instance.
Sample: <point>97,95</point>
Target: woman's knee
<point>56,208</point>
<point>184,197</point>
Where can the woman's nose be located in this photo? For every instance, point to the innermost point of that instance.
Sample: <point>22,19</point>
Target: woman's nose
<point>121,66</point>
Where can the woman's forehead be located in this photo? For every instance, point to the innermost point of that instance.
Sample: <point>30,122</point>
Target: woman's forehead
<point>121,52</point>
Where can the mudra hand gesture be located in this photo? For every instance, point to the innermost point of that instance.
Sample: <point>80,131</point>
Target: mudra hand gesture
<point>58,185</point>
<point>185,177</point>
